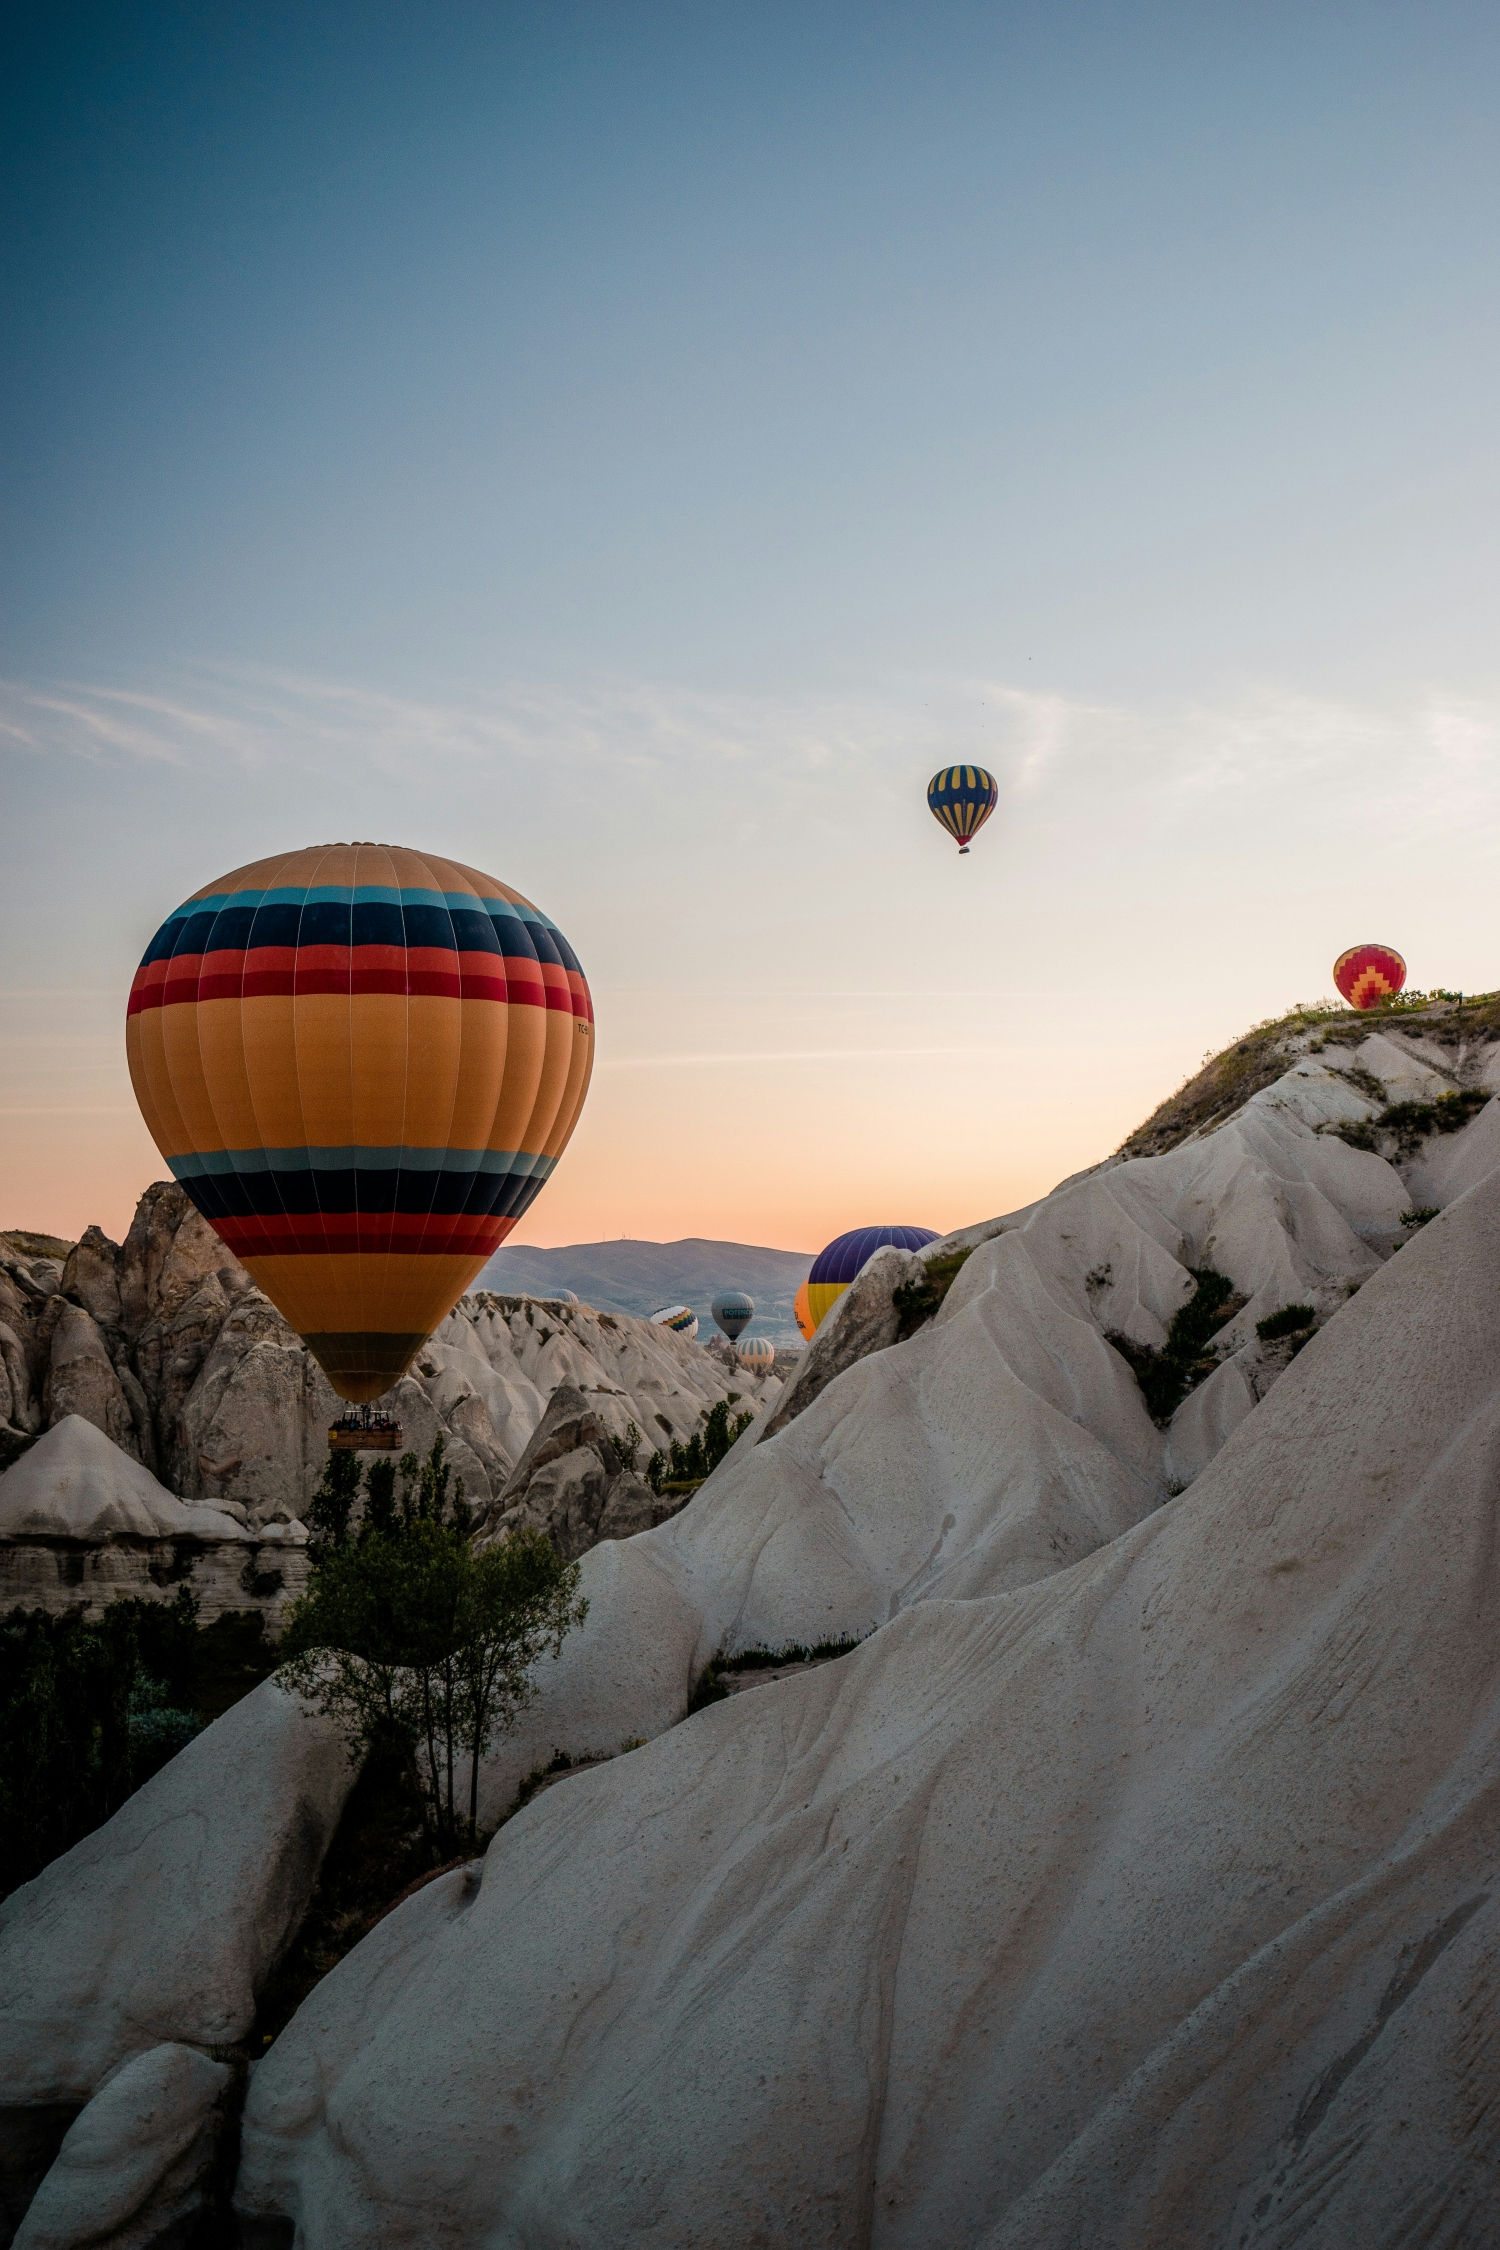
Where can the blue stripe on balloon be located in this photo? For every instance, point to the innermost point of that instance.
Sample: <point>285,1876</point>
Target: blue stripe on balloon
<point>234,1163</point>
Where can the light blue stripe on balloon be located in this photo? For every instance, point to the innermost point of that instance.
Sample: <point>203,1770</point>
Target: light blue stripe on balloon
<point>234,1162</point>
<point>364,894</point>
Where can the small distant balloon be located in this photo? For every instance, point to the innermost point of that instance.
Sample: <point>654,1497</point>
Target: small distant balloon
<point>733,1311</point>
<point>802,1314</point>
<point>561,1297</point>
<point>1368,974</point>
<point>681,1319</point>
<point>846,1256</point>
<point>756,1355</point>
<point>962,798</point>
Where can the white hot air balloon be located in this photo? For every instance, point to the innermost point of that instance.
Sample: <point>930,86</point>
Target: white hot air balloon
<point>756,1355</point>
<point>681,1319</point>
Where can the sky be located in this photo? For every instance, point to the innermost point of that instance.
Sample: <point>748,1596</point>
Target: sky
<point>628,447</point>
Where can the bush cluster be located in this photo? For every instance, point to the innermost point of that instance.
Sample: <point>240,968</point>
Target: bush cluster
<point>1187,1358</point>
<point>1411,1122</point>
<point>917,1301</point>
<point>1290,1321</point>
<point>690,1462</point>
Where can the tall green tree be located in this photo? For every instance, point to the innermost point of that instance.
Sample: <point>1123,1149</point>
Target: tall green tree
<point>406,1635</point>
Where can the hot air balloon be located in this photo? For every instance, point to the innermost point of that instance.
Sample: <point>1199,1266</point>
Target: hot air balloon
<point>835,1267</point>
<point>1368,974</point>
<point>733,1311</point>
<point>802,1314</point>
<point>362,1065</point>
<point>962,798</point>
<point>681,1319</point>
<point>756,1355</point>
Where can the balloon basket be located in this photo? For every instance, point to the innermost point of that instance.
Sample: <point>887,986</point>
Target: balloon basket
<point>364,1432</point>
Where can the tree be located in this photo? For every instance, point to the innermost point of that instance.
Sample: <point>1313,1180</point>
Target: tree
<point>406,1635</point>
<point>704,1450</point>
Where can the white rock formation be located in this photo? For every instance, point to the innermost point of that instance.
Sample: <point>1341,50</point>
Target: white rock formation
<point>82,1524</point>
<point>1007,1439</point>
<point>158,1931</point>
<point>1148,1901</point>
<point>137,2164</point>
<point>164,1345</point>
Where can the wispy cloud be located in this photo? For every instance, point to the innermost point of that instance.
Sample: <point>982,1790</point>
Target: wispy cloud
<point>1437,757</point>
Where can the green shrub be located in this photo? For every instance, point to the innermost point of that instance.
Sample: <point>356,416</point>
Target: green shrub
<point>1187,1358</point>
<point>687,1464</point>
<point>917,1301</point>
<point>1288,1322</point>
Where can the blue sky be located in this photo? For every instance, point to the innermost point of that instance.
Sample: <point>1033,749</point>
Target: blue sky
<point>630,446</point>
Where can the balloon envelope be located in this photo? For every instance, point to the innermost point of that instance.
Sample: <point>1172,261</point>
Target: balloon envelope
<point>733,1311</point>
<point>1368,974</point>
<point>362,1065</point>
<point>681,1319</point>
<point>835,1267</point>
<point>756,1355</point>
<point>962,798</point>
<point>802,1314</point>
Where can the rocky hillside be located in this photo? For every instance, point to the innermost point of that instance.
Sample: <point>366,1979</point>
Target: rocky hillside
<point>1132,1883</point>
<point>164,1344</point>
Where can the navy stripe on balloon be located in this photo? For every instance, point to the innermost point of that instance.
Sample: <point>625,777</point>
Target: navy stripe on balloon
<point>849,1253</point>
<point>236,929</point>
<point>328,1193</point>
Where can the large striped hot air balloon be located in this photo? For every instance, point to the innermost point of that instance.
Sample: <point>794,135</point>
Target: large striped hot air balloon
<point>835,1267</point>
<point>802,1314</point>
<point>962,798</point>
<point>1368,974</point>
<point>362,1064</point>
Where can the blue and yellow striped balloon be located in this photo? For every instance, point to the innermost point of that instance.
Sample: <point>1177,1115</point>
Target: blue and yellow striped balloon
<point>962,798</point>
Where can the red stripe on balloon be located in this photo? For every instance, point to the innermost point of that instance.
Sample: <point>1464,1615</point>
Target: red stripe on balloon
<point>357,1233</point>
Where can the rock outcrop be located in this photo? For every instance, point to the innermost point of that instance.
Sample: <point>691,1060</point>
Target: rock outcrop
<point>163,1344</point>
<point>572,1484</point>
<point>1149,1901</point>
<point>81,1524</point>
<point>159,1930</point>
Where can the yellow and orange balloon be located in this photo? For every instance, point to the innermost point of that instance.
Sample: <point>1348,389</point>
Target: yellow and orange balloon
<point>362,1064</point>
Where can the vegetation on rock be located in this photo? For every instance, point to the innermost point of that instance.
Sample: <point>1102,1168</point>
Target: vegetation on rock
<point>1187,1358</point>
<point>690,1463</point>
<point>1292,1320</point>
<point>1228,1079</point>
<point>917,1301</point>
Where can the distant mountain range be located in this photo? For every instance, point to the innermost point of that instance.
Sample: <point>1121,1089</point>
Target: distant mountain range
<point>640,1277</point>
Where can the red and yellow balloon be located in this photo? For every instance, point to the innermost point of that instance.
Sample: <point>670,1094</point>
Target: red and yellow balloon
<point>362,1063</point>
<point>1368,974</point>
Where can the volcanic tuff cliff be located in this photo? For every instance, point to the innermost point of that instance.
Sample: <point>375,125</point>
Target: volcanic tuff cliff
<point>164,1343</point>
<point>1132,1884</point>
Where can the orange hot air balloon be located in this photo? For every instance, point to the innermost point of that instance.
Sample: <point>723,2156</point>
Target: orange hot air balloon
<point>802,1314</point>
<point>1368,974</point>
<point>362,1065</point>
